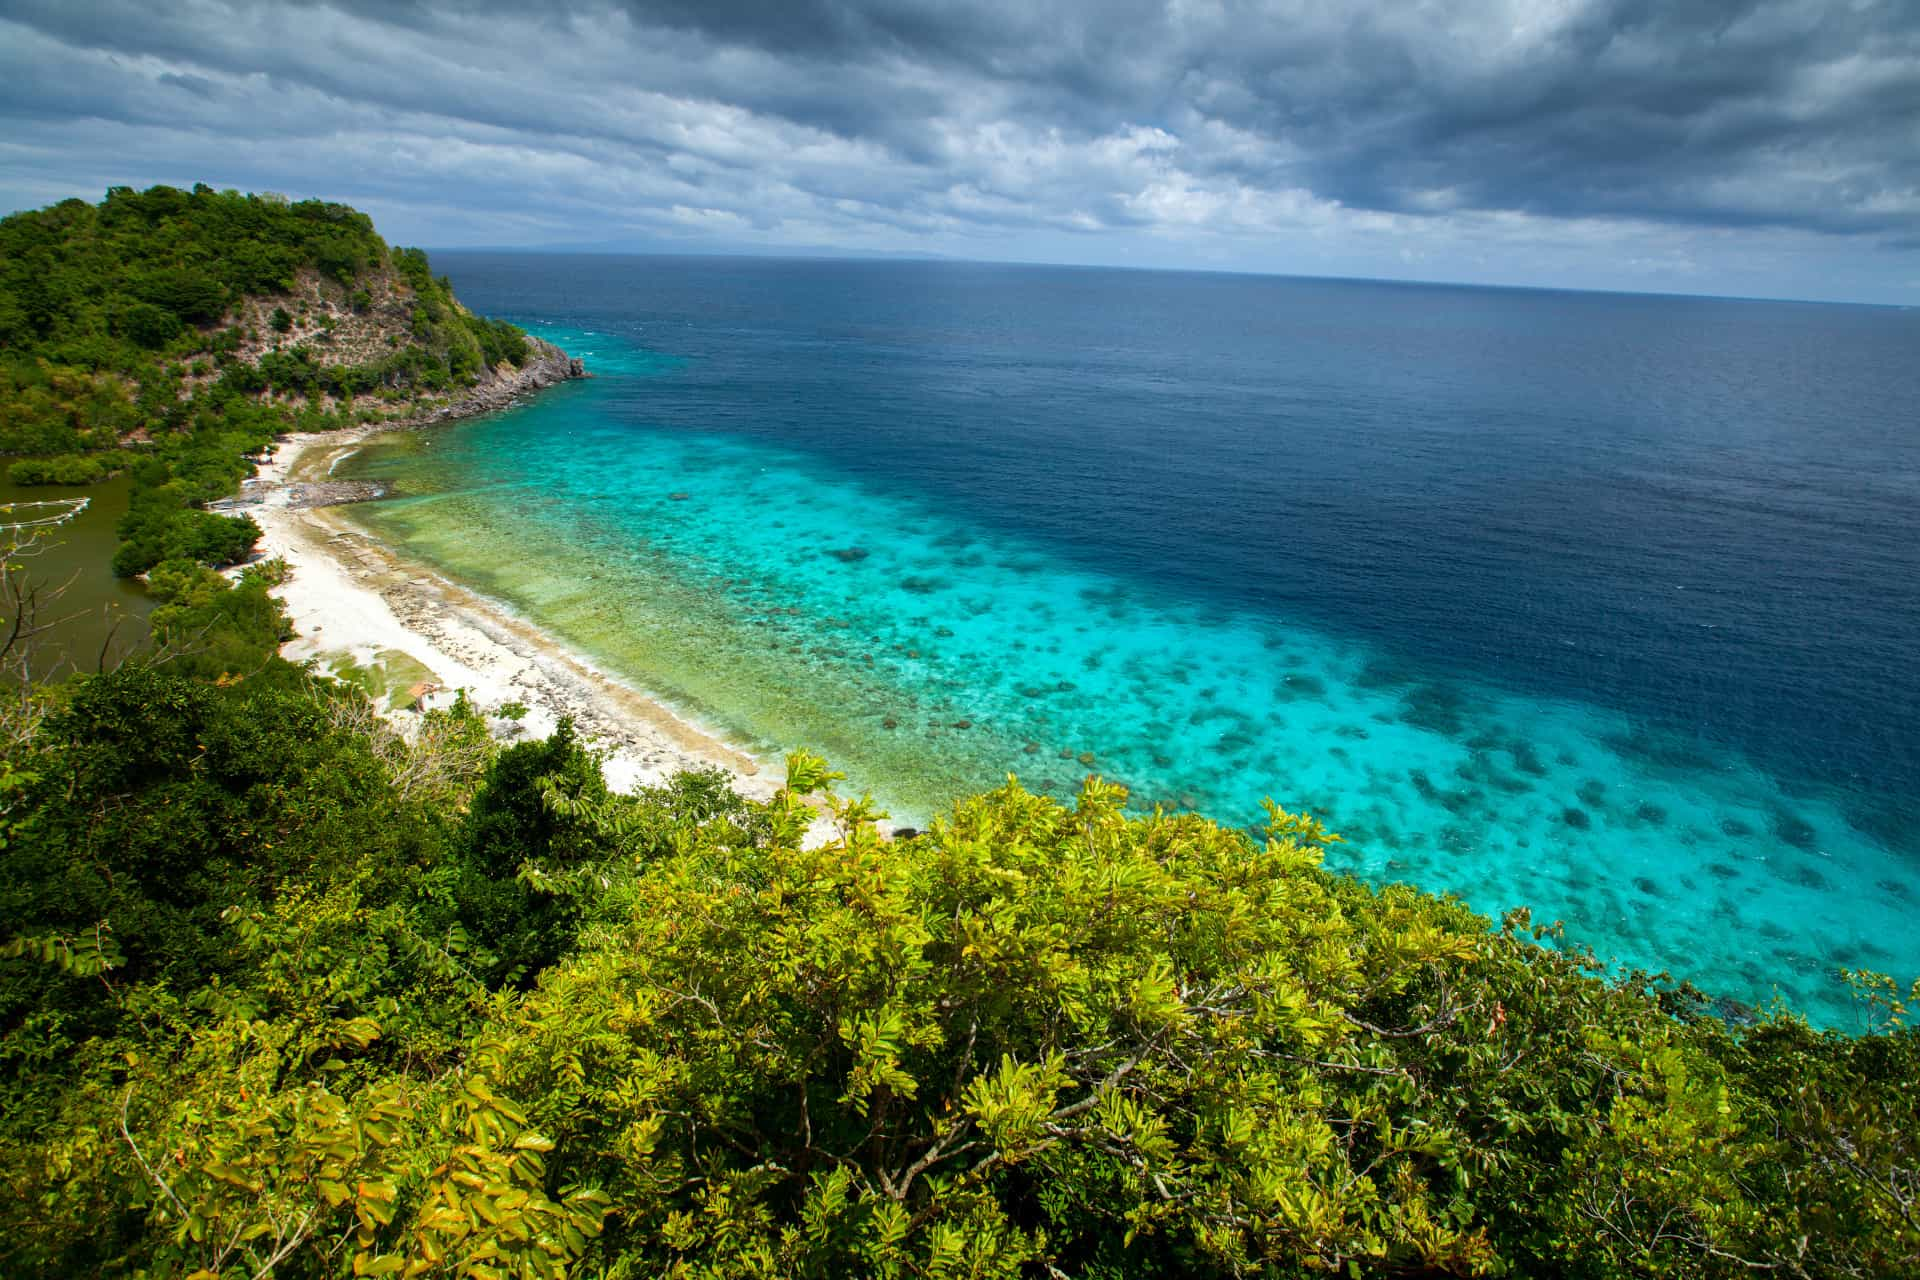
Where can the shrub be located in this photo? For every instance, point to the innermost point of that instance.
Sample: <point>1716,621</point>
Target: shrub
<point>72,468</point>
<point>147,325</point>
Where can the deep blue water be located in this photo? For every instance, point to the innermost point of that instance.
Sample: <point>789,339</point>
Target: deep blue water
<point>1636,578</point>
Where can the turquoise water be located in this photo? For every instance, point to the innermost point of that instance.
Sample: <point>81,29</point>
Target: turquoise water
<point>930,652</point>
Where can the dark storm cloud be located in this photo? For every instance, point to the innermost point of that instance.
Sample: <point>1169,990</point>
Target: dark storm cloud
<point>1800,112</point>
<point>1470,123</point>
<point>1733,111</point>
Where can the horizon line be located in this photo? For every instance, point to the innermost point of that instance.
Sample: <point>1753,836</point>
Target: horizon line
<point>799,253</point>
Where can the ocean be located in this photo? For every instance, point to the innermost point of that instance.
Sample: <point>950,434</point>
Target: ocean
<point>1601,605</point>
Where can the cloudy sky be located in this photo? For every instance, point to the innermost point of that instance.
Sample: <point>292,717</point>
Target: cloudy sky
<point>1758,147</point>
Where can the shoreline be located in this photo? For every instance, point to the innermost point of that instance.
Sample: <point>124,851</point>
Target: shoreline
<point>350,596</point>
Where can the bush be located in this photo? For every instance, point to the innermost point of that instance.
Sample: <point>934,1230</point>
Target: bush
<point>530,825</point>
<point>72,468</point>
<point>148,326</point>
<point>1035,1040</point>
<point>160,526</point>
<point>190,294</point>
<point>218,628</point>
<point>1046,1039</point>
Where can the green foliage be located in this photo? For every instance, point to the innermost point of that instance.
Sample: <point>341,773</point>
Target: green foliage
<point>1040,1038</point>
<point>534,823</point>
<point>499,342</point>
<point>67,272</point>
<point>46,409</point>
<point>113,317</point>
<point>146,325</point>
<point>219,628</point>
<point>322,1009</point>
<point>160,525</point>
<point>69,468</point>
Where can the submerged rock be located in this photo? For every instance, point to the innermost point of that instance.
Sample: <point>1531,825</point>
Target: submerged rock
<point>1805,877</point>
<point>1526,759</point>
<point>1793,829</point>
<point>1438,707</point>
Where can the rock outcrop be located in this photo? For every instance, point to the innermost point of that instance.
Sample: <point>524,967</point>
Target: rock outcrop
<point>547,366</point>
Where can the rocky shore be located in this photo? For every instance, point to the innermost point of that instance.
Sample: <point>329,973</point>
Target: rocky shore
<point>284,486</point>
<point>548,366</point>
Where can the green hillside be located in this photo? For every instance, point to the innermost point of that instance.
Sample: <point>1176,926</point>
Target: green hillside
<point>286,991</point>
<point>175,333</point>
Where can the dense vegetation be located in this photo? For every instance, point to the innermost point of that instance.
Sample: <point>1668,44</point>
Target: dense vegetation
<point>289,990</point>
<point>176,333</point>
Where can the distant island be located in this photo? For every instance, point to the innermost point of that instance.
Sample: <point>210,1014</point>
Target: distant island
<point>309,968</point>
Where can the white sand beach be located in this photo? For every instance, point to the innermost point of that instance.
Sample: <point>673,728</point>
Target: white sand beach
<point>350,597</point>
